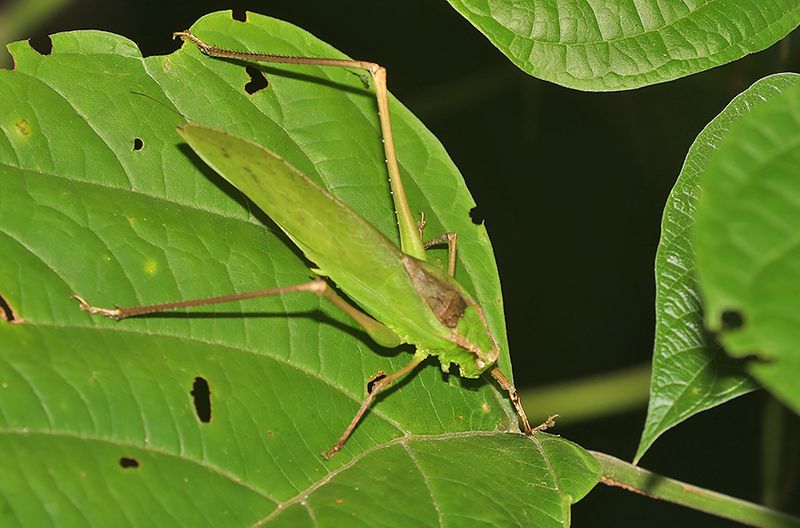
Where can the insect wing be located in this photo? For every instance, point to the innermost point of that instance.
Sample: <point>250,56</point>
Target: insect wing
<point>362,261</point>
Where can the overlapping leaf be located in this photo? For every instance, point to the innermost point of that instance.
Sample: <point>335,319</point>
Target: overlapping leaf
<point>747,238</point>
<point>691,373</point>
<point>619,44</point>
<point>101,197</point>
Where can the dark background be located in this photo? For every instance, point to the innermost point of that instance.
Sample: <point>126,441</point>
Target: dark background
<point>571,186</point>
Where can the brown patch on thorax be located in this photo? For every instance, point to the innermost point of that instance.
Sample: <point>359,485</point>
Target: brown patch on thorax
<point>444,299</point>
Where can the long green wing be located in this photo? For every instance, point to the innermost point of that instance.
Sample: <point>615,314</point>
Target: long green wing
<point>361,260</point>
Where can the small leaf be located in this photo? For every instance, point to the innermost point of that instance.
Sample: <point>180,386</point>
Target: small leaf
<point>691,373</point>
<point>619,44</point>
<point>748,249</point>
<point>107,424</point>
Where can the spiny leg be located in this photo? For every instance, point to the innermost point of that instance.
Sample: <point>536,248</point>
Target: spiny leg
<point>421,225</point>
<point>377,387</point>
<point>377,331</point>
<point>452,241</point>
<point>512,393</point>
<point>449,237</point>
<point>410,241</point>
<point>506,385</point>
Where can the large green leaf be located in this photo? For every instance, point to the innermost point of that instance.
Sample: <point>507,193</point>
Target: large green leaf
<point>691,373</point>
<point>100,196</point>
<point>621,44</point>
<point>747,239</point>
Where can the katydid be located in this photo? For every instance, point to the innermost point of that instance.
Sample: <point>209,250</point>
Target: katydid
<point>404,298</point>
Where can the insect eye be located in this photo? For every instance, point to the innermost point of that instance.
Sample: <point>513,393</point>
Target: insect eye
<point>480,364</point>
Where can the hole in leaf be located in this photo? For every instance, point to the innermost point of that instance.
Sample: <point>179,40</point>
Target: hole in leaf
<point>239,14</point>
<point>42,44</point>
<point>732,320</point>
<point>138,144</point>
<point>201,395</point>
<point>257,80</point>
<point>128,463</point>
<point>476,215</point>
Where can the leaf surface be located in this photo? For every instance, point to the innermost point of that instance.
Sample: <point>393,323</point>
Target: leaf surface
<point>620,44</point>
<point>748,249</point>
<point>101,197</point>
<point>691,373</point>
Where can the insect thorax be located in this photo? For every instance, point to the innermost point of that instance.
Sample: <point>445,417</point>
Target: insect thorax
<point>461,320</point>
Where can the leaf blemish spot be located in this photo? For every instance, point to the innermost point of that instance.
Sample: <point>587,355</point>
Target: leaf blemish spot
<point>732,320</point>
<point>128,463</point>
<point>201,396</point>
<point>257,80</point>
<point>137,144</point>
<point>485,407</point>
<point>23,127</point>
<point>476,216</point>
<point>43,45</point>
<point>151,267</point>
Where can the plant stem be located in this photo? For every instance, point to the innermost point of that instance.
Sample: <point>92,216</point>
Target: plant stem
<point>779,456</point>
<point>616,472</point>
<point>590,397</point>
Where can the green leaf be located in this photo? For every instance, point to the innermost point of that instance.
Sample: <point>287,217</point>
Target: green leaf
<point>619,44</point>
<point>691,373</point>
<point>748,250</point>
<point>101,197</point>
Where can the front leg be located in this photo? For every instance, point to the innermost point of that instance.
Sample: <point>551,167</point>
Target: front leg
<point>452,240</point>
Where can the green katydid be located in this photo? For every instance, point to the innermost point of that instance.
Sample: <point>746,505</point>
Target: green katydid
<point>408,299</point>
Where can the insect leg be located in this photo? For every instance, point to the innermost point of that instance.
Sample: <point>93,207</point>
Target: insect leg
<point>376,330</point>
<point>421,225</point>
<point>410,241</point>
<point>378,386</point>
<point>452,240</point>
<point>512,393</point>
<point>449,237</point>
